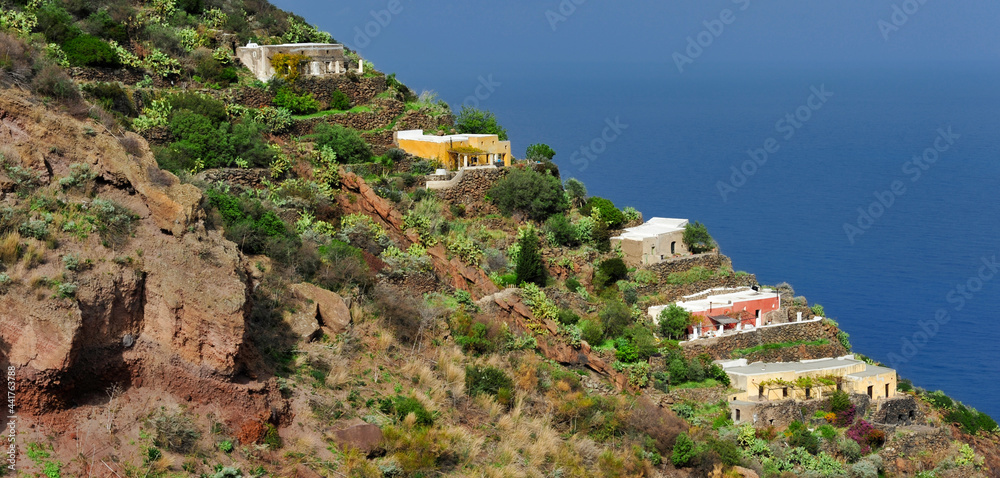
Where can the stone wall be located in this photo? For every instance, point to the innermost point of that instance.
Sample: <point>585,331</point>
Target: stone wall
<point>710,260</point>
<point>126,76</point>
<point>723,347</point>
<point>473,186</point>
<point>418,120</point>
<point>899,410</point>
<point>243,178</point>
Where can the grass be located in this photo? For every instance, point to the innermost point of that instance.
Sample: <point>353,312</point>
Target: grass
<point>356,109</point>
<point>707,383</point>
<point>775,346</point>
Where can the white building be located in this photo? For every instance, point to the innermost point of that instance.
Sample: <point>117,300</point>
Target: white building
<point>657,240</point>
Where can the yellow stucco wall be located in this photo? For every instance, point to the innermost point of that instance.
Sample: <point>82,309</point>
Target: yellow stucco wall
<point>749,386</point>
<point>440,151</point>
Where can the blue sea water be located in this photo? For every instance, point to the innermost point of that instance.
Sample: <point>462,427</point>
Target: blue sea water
<point>681,135</point>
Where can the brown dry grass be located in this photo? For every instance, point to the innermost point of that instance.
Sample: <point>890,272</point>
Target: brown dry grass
<point>10,248</point>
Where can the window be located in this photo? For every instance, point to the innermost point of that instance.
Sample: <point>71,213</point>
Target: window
<point>784,392</point>
<point>808,393</point>
<point>760,390</point>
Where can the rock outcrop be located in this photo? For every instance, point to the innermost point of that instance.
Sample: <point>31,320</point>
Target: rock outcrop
<point>163,308</point>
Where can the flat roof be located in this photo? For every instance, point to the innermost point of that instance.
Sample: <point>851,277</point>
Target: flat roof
<point>819,365</point>
<point>652,228</point>
<point>728,298</point>
<point>418,135</point>
<point>722,319</point>
<point>320,45</point>
<point>871,371</point>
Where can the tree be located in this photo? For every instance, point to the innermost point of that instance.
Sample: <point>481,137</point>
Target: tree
<point>287,66</point>
<point>350,147</point>
<point>684,450</point>
<point>674,322</point>
<point>475,121</point>
<point>576,191</point>
<point>529,192</point>
<point>607,211</point>
<point>529,267</point>
<point>697,239</point>
<point>616,318</point>
<point>539,152</point>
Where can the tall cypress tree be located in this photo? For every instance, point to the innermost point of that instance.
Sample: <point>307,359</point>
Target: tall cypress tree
<point>529,266</point>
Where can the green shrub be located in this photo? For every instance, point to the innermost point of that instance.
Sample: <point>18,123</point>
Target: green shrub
<point>476,340</point>
<point>728,452</point>
<point>350,147</point>
<point>204,105</point>
<point>684,450</point>
<point>803,438</point>
<point>592,331</point>
<point>473,121</point>
<point>904,385</point>
<point>56,23</point>
<point>402,406</point>
<point>528,192</point>
<point>296,103</point>
<point>606,210</point>
<point>112,97</point>
<point>88,50</point>
<point>610,271</point>
<point>562,231</point>
<point>970,419</point>
<point>818,310</point>
<point>490,381</point>
<point>567,317</point>
<point>697,239</point>
<point>939,400</point>
<point>573,284</point>
<point>839,401</point>
<point>250,225</point>
<point>339,101</point>
<point>202,144</point>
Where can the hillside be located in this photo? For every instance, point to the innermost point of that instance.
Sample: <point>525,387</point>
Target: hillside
<point>204,274</point>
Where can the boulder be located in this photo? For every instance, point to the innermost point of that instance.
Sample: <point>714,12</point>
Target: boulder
<point>327,309</point>
<point>358,434</point>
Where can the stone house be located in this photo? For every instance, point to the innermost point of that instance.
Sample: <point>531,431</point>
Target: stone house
<point>655,241</point>
<point>805,380</point>
<point>711,310</point>
<point>456,151</point>
<point>324,58</point>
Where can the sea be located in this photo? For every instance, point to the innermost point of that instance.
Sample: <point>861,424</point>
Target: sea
<point>873,189</point>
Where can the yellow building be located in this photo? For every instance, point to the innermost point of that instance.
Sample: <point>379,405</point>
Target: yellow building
<point>808,379</point>
<point>455,151</point>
